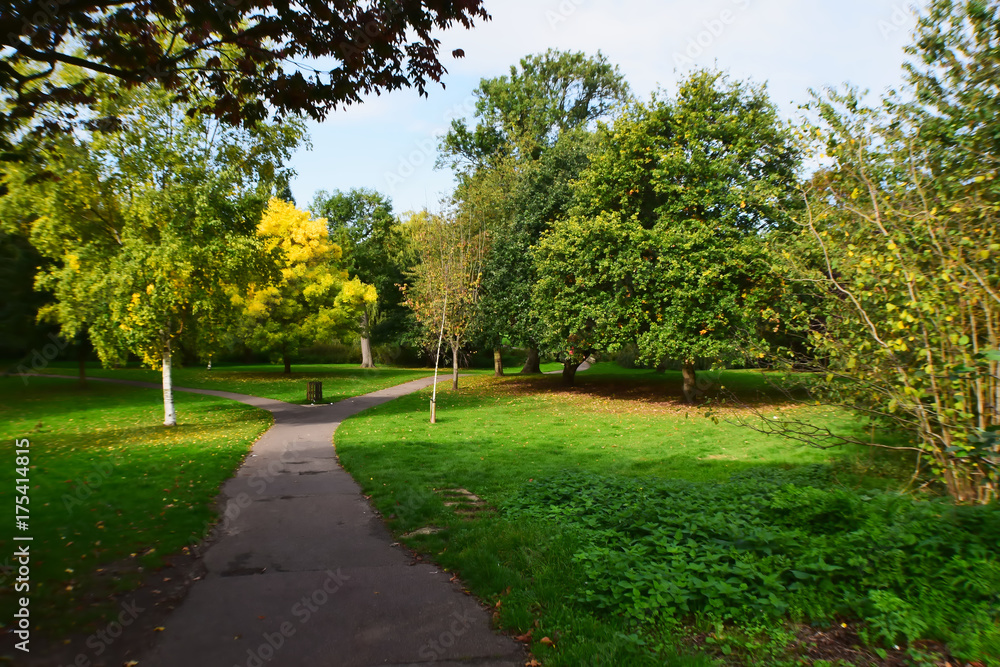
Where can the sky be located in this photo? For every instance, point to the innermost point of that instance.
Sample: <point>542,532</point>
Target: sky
<point>389,143</point>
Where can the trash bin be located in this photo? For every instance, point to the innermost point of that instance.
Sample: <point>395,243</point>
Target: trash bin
<point>314,391</point>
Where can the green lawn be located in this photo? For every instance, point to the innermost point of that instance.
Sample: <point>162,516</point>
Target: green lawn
<point>340,381</point>
<point>111,490</point>
<point>590,490</point>
<point>498,435</point>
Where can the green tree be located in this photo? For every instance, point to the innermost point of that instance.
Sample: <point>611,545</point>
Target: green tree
<point>530,140</point>
<point>314,298</point>
<point>590,273</point>
<point>527,111</point>
<point>372,238</point>
<point>899,243</point>
<point>700,180</point>
<point>148,223</point>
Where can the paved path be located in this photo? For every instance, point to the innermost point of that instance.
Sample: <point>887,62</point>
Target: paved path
<point>305,574</point>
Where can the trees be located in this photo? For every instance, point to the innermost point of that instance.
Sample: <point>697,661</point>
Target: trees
<point>899,242</point>
<point>691,185</point>
<point>149,226</point>
<point>530,140</point>
<point>246,55</point>
<point>591,271</point>
<point>526,112</point>
<point>443,290</point>
<point>372,236</point>
<point>313,297</point>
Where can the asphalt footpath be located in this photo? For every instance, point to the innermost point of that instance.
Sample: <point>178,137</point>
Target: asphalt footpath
<point>303,573</point>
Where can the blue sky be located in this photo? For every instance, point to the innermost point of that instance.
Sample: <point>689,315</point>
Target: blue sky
<point>389,142</point>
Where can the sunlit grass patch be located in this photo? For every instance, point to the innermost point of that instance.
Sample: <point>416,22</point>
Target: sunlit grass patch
<point>112,491</point>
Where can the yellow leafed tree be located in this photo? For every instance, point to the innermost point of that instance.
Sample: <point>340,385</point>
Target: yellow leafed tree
<point>314,299</point>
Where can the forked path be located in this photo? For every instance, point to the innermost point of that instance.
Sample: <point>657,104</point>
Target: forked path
<point>304,573</point>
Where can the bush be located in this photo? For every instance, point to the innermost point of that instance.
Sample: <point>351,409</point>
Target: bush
<point>329,353</point>
<point>781,544</point>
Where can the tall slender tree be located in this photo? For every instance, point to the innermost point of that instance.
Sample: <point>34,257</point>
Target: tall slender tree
<point>443,289</point>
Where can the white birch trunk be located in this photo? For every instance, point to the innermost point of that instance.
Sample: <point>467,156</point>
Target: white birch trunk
<point>366,344</point>
<point>169,419</point>
<point>454,365</point>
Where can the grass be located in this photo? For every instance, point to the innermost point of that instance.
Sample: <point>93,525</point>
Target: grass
<point>498,435</point>
<point>340,381</point>
<point>495,438</point>
<point>112,491</point>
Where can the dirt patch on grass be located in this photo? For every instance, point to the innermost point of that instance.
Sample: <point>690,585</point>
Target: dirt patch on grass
<point>639,396</point>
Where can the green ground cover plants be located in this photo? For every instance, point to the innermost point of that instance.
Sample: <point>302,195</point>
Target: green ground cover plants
<point>111,490</point>
<point>627,528</point>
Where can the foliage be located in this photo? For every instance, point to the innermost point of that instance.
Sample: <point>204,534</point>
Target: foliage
<point>19,262</point>
<point>148,225</point>
<point>498,434</point>
<point>900,244</point>
<point>689,185</point>
<point>374,251</point>
<point>522,199</point>
<point>247,55</point>
<point>531,139</point>
<point>774,544</point>
<point>588,270</point>
<point>313,299</point>
<point>527,111</point>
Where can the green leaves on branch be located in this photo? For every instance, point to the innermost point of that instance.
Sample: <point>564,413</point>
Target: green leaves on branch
<point>665,246</point>
<point>898,247</point>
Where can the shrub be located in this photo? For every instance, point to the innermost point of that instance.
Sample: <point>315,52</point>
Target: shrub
<point>781,544</point>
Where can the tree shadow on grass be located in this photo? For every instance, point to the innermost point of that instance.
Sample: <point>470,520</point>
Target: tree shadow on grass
<point>649,391</point>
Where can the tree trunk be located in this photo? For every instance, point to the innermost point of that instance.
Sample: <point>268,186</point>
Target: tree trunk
<point>81,358</point>
<point>366,353</point>
<point>690,378</point>
<point>169,419</point>
<point>662,366</point>
<point>454,365</point>
<point>531,364</point>
<point>569,372</point>
<point>497,363</point>
<point>288,362</point>
<point>366,344</point>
